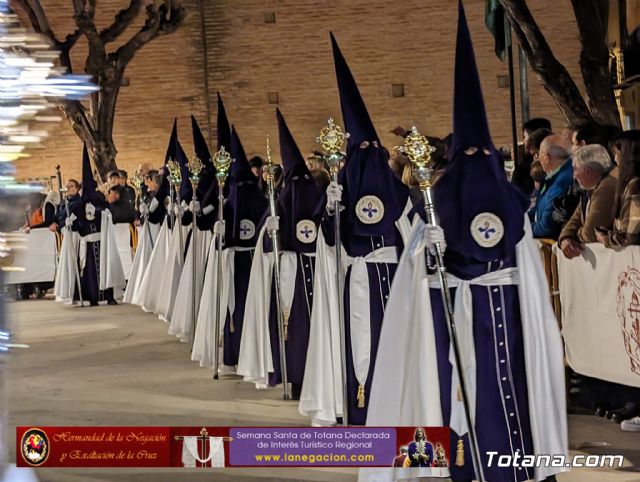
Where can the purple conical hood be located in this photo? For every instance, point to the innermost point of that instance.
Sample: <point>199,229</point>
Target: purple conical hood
<point>292,160</point>
<point>356,118</point>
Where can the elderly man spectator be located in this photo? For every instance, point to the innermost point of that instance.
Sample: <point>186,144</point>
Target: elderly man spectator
<point>592,170</point>
<point>554,155</point>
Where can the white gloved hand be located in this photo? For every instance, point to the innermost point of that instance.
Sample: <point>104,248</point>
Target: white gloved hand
<point>207,209</point>
<point>179,209</point>
<point>334,194</point>
<point>434,235</point>
<point>219,228</point>
<point>273,224</point>
<point>144,209</point>
<point>194,207</point>
<point>68,221</point>
<point>90,211</point>
<point>154,205</point>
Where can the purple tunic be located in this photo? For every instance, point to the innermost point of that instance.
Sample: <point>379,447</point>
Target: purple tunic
<point>502,409</point>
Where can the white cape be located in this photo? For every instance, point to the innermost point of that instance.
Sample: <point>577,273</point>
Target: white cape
<point>204,340</point>
<point>140,262</point>
<point>321,396</point>
<point>170,277</point>
<point>111,271</point>
<point>66,281</point>
<point>183,308</point>
<point>148,294</point>
<point>408,343</point>
<point>255,362</point>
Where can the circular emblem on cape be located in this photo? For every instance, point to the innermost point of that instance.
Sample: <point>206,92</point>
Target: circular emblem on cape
<point>90,211</point>
<point>247,229</point>
<point>370,210</point>
<point>487,229</point>
<point>34,446</point>
<point>306,231</point>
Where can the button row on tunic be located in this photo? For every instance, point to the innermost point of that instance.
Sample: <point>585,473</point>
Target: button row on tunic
<point>506,382</point>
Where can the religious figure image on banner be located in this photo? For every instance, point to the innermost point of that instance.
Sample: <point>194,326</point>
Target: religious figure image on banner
<point>420,452</point>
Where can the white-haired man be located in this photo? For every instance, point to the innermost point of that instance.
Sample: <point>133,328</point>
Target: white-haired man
<point>592,169</point>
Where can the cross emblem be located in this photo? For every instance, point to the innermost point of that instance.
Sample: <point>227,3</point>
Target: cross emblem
<point>244,230</point>
<point>370,210</point>
<point>487,230</point>
<point>306,232</point>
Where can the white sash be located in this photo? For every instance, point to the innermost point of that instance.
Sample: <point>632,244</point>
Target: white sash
<point>89,238</point>
<point>360,308</point>
<point>463,313</point>
<point>288,273</point>
<point>229,262</point>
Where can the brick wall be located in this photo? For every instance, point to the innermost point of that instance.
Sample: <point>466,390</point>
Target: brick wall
<point>248,58</point>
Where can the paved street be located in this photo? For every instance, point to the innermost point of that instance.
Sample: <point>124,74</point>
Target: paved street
<point>117,366</point>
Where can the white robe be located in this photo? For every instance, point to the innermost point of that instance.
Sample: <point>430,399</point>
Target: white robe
<point>171,271</point>
<point>111,271</point>
<point>183,308</point>
<point>204,341</point>
<point>255,361</point>
<point>409,343</point>
<point>141,259</point>
<point>148,294</point>
<point>67,271</point>
<point>321,395</point>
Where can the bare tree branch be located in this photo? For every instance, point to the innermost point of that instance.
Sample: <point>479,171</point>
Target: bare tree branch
<point>71,39</point>
<point>554,76</point>
<point>42,19</point>
<point>97,53</point>
<point>122,20</point>
<point>93,123</point>
<point>92,8</point>
<point>26,8</point>
<point>592,19</point>
<point>161,20</point>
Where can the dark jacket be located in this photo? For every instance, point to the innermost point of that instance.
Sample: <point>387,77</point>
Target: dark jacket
<point>75,202</point>
<point>128,194</point>
<point>122,212</point>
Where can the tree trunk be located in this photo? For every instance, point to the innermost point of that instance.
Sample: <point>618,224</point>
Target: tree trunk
<point>94,125</point>
<point>554,76</point>
<point>592,18</point>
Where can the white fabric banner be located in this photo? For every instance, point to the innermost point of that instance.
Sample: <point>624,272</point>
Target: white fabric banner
<point>600,296</point>
<point>37,259</point>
